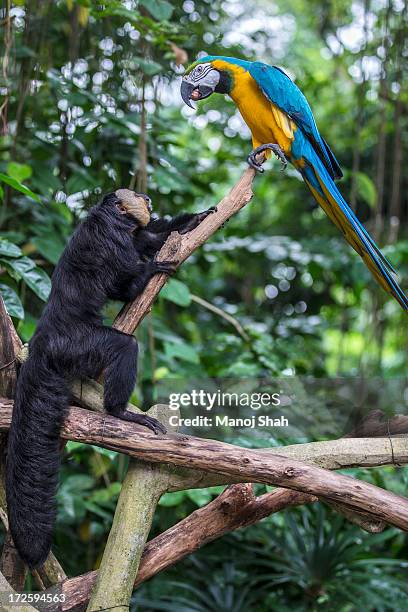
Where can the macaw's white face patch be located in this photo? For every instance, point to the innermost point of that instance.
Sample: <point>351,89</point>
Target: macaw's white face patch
<point>203,73</point>
<point>199,83</point>
<point>135,204</point>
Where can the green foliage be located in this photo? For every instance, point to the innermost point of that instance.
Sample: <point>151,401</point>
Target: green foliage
<point>16,184</point>
<point>306,303</point>
<point>12,301</point>
<point>176,292</point>
<point>308,559</point>
<point>366,189</point>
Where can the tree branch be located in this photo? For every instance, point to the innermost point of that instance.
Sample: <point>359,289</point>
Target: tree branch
<point>221,313</point>
<point>229,461</point>
<point>236,507</point>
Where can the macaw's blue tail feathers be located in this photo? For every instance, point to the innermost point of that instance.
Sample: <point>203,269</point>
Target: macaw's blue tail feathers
<point>330,199</point>
<point>337,172</point>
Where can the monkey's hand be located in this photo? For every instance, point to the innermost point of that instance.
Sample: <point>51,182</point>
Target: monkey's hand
<point>142,419</point>
<point>163,267</point>
<point>205,213</point>
<point>197,219</point>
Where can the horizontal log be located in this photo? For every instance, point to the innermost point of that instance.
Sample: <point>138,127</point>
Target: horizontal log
<point>228,460</point>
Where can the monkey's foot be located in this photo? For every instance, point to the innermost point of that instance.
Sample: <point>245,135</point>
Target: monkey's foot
<point>275,148</point>
<point>142,419</point>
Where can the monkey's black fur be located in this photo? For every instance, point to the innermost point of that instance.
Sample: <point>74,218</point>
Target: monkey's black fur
<point>109,256</point>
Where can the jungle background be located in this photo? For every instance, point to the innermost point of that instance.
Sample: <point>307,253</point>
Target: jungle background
<point>89,103</point>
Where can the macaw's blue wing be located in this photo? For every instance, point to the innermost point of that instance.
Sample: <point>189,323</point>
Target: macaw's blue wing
<point>282,91</point>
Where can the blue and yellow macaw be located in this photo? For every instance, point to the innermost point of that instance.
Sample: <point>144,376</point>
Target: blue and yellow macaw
<point>281,121</point>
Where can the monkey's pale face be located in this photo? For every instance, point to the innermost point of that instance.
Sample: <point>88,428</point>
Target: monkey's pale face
<point>138,205</point>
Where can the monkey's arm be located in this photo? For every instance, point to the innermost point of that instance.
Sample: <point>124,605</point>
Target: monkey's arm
<point>182,223</point>
<point>141,273</point>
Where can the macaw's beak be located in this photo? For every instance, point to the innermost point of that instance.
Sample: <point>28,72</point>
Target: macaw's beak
<point>189,91</point>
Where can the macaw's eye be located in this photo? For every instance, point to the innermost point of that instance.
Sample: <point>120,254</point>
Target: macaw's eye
<point>199,69</point>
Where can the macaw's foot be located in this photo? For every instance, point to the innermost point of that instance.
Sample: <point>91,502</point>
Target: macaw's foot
<point>275,148</point>
<point>141,419</point>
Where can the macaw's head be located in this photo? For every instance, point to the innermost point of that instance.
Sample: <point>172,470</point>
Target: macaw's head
<point>208,75</point>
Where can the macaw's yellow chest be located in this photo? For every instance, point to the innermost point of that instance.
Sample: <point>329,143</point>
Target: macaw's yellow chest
<point>265,120</point>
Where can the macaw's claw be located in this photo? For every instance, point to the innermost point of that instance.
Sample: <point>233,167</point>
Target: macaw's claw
<point>275,148</point>
<point>251,159</point>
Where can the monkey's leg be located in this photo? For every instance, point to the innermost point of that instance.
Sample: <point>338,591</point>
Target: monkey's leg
<point>120,362</point>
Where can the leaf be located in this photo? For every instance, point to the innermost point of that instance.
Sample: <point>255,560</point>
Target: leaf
<point>36,278</point>
<point>177,292</point>
<point>200,497</point>
<point>181,351</point>
<point>170,180</point>
<point>172,499</point>
<point>91,507</point>
<point>78,483</point>
<point>50,247</point>
<point>104,451</point>
<point>159,9</point>
<point>12,302</point>
<point>19,187</point>
<point>9,249</point>
<point>366,189</point>
<point>22,265</point>
<point>39,281</point>
<point>148,67</point>
<point>160,373</point>
<point>103,496</point>
<point>27,327</point>
<point>19,172</point>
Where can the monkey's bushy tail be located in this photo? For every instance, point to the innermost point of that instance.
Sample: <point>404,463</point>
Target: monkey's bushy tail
<point>33,458</point>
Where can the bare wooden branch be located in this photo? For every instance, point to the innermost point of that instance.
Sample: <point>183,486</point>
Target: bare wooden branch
<point>10,345</point>
<point>377,423</point>
<point>178,248</point>
<point>228,460</point>
<point>51,572</point>
<point>221,313</point>
<point>236,507</point>
<point>363,520</point>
